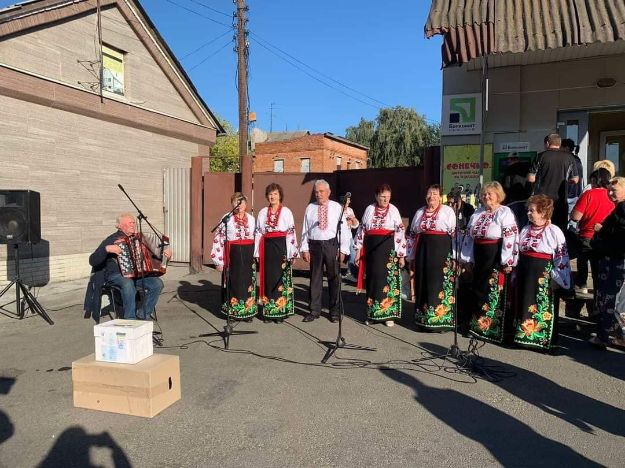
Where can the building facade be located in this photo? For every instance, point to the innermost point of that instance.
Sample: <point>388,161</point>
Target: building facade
<point>320,152</point>
<point>73,136</point>
<point>516,77</point>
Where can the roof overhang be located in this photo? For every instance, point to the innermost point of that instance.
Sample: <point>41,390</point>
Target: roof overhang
<point>21,17</point>
<point>504,28</point>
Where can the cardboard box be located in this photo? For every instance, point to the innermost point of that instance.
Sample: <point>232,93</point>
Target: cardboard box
<point>123,341</point>
<point>143,389</point>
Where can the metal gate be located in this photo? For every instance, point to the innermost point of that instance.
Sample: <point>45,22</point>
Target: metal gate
<point>177,211</point>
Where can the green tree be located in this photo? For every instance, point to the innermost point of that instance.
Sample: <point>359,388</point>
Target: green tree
<point>362,133</point>
<point>225,153</point>
<point>398,137</point>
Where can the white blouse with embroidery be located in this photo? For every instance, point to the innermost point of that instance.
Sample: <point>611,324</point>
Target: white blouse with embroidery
<point>382,219</point>
<point>284,223</point>
<point>314,228</point>
<point>548,240</point>
<point>442,219</point>
<point>236,231</point>
<point>498,224</point>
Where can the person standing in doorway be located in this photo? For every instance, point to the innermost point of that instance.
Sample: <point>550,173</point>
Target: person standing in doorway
<point>551,173</point>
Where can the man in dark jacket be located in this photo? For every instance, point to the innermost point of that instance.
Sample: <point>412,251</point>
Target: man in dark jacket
<point>106,269</point>
<point>552,171</point>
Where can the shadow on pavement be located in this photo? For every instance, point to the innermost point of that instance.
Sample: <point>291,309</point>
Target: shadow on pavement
<point>72,450</point>
<point>205,295</point>
<point>510,441</point>
<point>7,429</point>
<point>578,409</point>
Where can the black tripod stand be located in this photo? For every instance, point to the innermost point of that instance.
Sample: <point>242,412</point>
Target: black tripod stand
<point>157,336</point>
<point>32,302</point>
<point>340,339</point>
<point>465,358</point>
<point>225,281</point>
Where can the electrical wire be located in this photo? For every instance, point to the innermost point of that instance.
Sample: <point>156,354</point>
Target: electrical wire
<point>211,55</point>
<point>303,70</point>
<point>211,8</point>
<point>447,368</point>
<point>215,39</point>
<point>317,71</point>
<point>198,14</point>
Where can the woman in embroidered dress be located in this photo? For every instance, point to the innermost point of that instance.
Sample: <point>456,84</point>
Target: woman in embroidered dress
<point>380,250</point>
<point>275,249</point>
<point>543,258</point>
<point>233,254</point>
<point>431,258</point>
<point>490,250</point>
<point>609,246</point>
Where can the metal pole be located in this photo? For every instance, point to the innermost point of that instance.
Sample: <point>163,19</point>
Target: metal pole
<point>484,89</point>
<point>242,52</point>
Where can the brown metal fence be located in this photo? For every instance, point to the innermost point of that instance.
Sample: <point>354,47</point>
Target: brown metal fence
<point>408,189</point>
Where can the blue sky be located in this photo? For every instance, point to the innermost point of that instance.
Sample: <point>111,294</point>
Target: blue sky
<point>376,48</point>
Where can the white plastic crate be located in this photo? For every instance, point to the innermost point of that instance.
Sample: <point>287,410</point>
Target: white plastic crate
<point>123,341</point>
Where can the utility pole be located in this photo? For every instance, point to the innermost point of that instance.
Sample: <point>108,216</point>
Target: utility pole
<point>242,52</point>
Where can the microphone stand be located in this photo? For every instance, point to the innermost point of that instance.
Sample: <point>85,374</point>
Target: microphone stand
<point>225,276</point>
<point>340,339</point>
<point>157,337</point>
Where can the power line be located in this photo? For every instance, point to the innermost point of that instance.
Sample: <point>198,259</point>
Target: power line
<point>290,59</point>
<point>230,41</point>
<point>318,72</point>
<point>199,14</point>
<point>205,44</point>
<point>267,47</point>
<point>313,76</point>
<point>229,15</point>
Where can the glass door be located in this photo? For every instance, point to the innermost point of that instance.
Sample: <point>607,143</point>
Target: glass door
<point>574,125</point>
<point>613,148</point>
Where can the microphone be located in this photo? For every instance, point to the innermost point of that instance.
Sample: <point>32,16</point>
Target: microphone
<point>346,197</point>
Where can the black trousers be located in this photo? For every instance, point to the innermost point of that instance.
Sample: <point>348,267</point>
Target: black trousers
<point>323,254</point>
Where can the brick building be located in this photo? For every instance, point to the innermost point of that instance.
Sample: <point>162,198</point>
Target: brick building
<point>73,138</point>
<point>305,152</point>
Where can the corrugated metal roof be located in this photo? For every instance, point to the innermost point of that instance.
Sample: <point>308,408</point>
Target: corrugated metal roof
<point>473,28</point>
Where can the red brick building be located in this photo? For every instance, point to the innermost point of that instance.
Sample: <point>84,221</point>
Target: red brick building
<point>303,152</point>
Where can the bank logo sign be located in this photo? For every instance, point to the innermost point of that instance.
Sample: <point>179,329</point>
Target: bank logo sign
<point>462,114</point>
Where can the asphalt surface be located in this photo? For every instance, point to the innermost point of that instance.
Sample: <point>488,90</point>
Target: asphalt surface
<point>384,400</point>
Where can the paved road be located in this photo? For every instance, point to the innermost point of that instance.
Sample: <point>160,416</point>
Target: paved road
<point>269,401</point>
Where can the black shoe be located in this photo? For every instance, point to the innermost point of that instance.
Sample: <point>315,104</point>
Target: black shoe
<point>266,320</point>
<point>334,318</point>
<point>309,318</point>
<point>249,319</point>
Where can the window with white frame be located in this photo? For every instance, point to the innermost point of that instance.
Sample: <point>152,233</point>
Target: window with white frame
<point>304,165</point>
<point>339,161</point>
<point>113,70</point>
<point>278,165</point>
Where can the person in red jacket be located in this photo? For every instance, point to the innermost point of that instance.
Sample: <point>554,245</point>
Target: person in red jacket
<point>592,208</point>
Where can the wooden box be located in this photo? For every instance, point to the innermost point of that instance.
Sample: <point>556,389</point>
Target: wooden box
<point>142,389</point>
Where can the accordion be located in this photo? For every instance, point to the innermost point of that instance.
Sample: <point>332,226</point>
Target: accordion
<point>142,256</point>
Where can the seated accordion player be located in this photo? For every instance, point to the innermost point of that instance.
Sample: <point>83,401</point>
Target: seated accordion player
<point>142,255</point>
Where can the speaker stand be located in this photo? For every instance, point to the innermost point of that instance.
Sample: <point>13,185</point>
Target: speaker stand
<point>20,288</point>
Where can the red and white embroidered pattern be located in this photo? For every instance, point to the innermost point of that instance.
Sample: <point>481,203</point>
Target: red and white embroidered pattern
<point>480,227</point>
<point>428,220</point>
<point>379,217</point>
<point>242,230</point>
<point>271,223</point>
<point>532,238</point>
<point>322,217</point>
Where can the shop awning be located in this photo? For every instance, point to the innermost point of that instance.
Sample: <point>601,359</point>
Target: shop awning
<point>474,28</point>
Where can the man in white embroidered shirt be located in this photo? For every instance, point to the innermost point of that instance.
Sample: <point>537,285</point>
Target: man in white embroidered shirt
<point>320,247</point>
